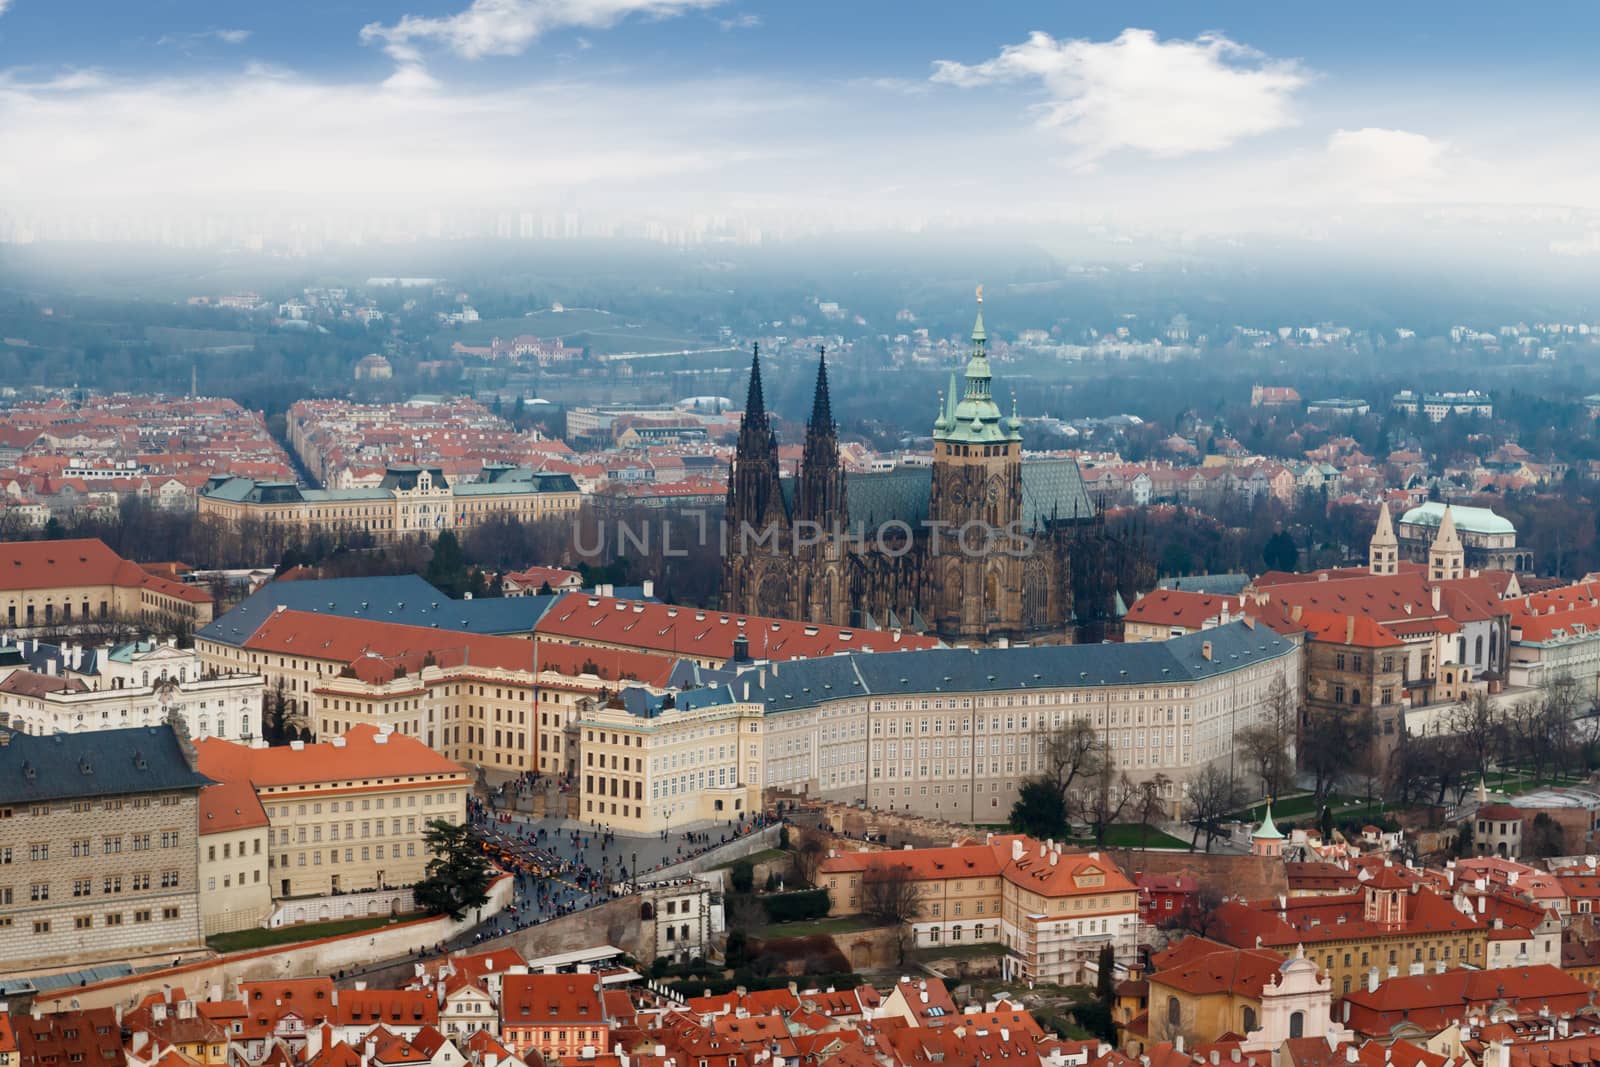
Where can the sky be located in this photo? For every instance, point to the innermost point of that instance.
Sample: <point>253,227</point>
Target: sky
<point>1182,118</point>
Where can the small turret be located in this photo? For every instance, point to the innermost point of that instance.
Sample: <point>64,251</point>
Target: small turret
<point>1446,557</point>
<point>1383,551</point>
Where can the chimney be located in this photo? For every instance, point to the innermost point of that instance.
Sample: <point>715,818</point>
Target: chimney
<point>1372,979</point>
<point>1016,850</point>
<point>1205,651</point>
<point>1435,592</point>
<point>648,588</point>
<point>1349,629</point>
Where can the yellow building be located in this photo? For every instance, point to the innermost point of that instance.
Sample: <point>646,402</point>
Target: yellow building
<point>410,501</point>
<point>51,584</point>
<point>235,889</point>
<point>346,814</point>
<point>647,760</point>
<point>1393,925</point>
<point>1051,908</point>
<point>1202,991</point>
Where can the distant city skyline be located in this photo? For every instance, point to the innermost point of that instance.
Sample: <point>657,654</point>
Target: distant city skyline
<point>691,120</point>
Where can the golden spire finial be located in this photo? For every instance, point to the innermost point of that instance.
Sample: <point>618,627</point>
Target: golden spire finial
<point>980,293</point>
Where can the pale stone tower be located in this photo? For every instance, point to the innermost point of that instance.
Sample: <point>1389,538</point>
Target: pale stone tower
<point>1383,551</point>
<point>1446,558</point>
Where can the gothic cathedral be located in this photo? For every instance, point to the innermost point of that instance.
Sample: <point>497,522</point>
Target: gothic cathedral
<point>981,546</point>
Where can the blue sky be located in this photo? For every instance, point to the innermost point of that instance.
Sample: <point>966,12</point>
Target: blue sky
<point>1199,117</point>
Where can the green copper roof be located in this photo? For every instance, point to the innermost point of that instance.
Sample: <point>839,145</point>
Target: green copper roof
<point>1267,829</point>
<point>976,419</point>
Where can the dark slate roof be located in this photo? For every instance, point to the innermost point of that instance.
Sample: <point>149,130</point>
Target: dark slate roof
<point>884,496</point>
<point>401,598</point>
<point>404,476</point>
<point>1051,489</point>
<point>799,684</point>
<point>145,759</point>
<point>1213,584</point>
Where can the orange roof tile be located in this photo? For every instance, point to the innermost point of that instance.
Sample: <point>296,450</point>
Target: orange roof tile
<point>361,755</point>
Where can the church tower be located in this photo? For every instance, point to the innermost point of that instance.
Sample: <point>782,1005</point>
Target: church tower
<point>823,595</point>
<point>1383,551</point>
<point>757,570</point>
<point>820,495</point>
<point>1446,557</point>
<point>976,499</point>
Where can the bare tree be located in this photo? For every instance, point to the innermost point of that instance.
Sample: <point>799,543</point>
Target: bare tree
<point>889,894</point>
<point>1074,750</point>
<point>808,857</point>
<point>1481,730</point>
<point>1199,912</point>
<point>1332,742</point>
<point>1212,796</point>
<point>1268,745</point>
<point>1101,800</point>
<point>745,912</point>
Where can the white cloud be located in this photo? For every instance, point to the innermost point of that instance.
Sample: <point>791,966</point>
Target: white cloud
<point>903,86</point>
<point>508,27</point>
<point>739,22</point>
<point>186,41</point>
<point>1387,161</point>
<point>1165,98</point>
<point>3,5</point>
<point>222,143</point>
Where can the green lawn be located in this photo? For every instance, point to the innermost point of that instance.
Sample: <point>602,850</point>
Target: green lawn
<point>262,937</point>
<point>843,924</point>
<point>959,952</point>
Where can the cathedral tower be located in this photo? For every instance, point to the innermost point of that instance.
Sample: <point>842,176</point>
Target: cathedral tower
<point>1447,556</point>
<point>975,500</point>
<point>819,497</point>
<point>1383,551</point>
<point>757,569</point>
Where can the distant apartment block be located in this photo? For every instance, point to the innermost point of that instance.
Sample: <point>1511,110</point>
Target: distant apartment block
<point>1437,406</point>
<point>1273,396</point>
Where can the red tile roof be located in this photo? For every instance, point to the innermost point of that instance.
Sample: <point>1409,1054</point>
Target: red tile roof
<point>581,618</point>
<point>1238,972</point>
<point>1308,920</point>
<point>230,805</point>
<point>84,561</point>
<point>551,999</point>
<point>1049,873</point>
<point>1433,1001</point>
<point>361,755</point>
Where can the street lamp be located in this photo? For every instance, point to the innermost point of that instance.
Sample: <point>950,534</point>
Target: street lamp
<point>634,871</point>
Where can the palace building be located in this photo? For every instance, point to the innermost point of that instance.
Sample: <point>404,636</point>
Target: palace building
<point>982,545</point>
<point>410,501</point>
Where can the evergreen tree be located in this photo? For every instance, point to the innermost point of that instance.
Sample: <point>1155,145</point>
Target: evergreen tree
<point>458,876</point>
<point>447,570</point>
<point>1040,810</point>
<point>1280,553</point>
<point>1105,984</point>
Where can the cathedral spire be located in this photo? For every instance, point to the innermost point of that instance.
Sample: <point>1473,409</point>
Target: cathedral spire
<point>755,404</point>
<point>821,404</point>
<point>820,496</point>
